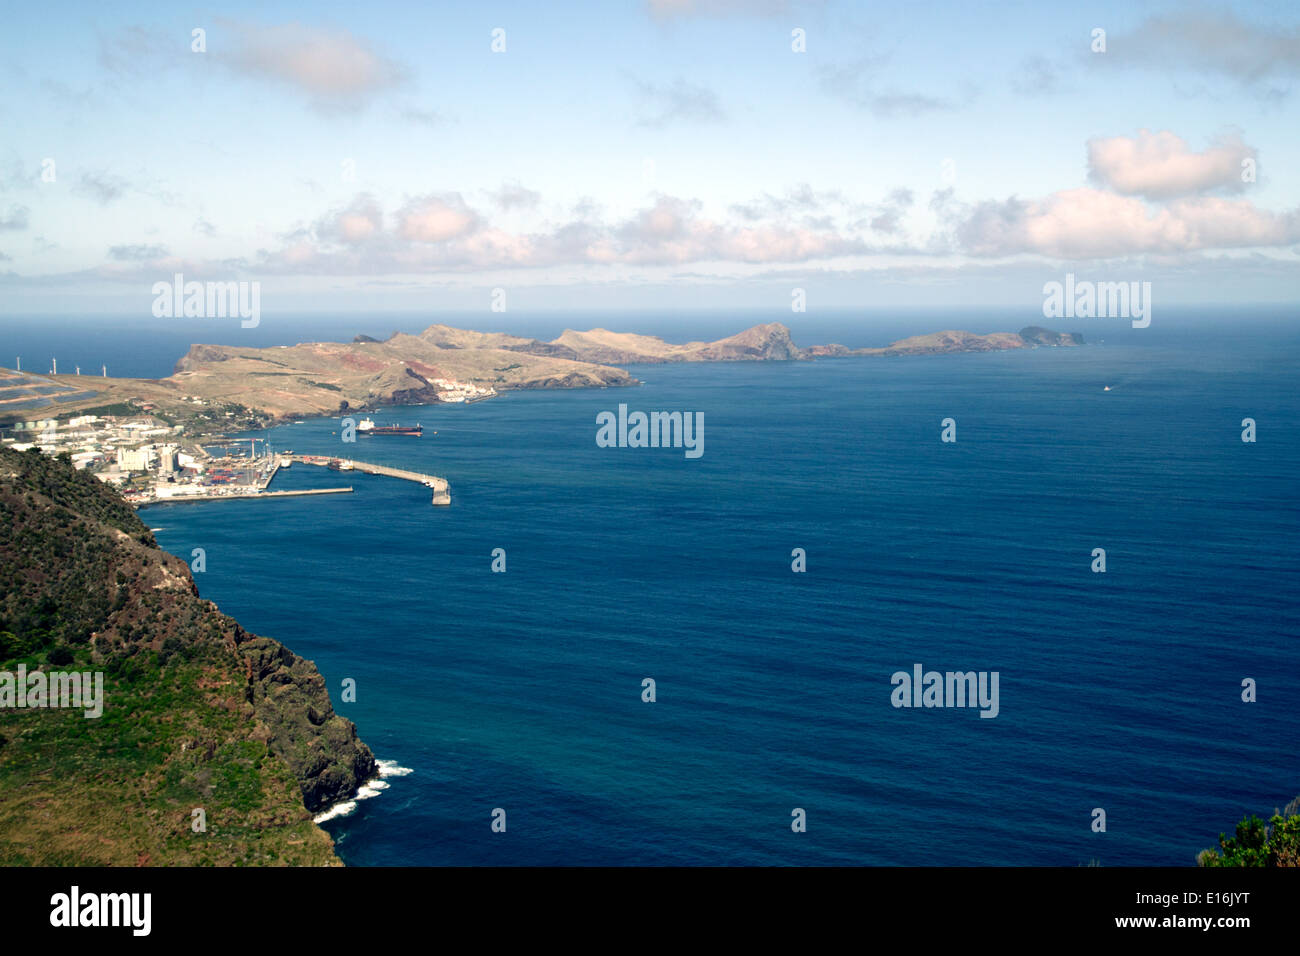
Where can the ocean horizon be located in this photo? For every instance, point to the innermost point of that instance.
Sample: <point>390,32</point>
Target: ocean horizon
<point>522,690</point>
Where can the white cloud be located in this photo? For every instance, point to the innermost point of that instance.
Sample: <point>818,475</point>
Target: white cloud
<point>1093,224</point>
<point>1161,165</point>
<point>436,218</point>
<point>360,221</point>
<point>442,232</point>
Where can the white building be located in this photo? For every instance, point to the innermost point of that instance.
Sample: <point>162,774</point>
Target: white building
<point>135,459</point>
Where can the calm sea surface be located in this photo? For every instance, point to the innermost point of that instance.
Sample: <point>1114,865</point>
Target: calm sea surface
<point>523,690</point>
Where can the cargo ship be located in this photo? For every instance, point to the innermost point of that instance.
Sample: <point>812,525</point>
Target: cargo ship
<point>368,427</point>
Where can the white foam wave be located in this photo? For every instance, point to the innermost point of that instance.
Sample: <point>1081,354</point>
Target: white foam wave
<point>371,788</point>
<point>338,810</point>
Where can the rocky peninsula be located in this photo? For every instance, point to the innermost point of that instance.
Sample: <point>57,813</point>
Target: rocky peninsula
<point>227,386</point>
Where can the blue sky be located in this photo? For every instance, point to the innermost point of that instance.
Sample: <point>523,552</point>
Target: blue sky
<point>668,153</point>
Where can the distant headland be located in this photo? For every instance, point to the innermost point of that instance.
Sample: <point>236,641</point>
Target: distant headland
<point>225,386</point>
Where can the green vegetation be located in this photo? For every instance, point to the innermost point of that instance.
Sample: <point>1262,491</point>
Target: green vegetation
<point>197,713</point>
<point>1257,844</point>
<point>216,418</point>
<point>120,409</point>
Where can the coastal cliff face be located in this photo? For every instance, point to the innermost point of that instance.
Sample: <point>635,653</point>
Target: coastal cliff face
<point>197,712</point>
<point>1037,335</point>
<point>328,378</point>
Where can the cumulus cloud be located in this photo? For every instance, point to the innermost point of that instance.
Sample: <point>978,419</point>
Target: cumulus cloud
<point>360,221</point>
<point>889,216</point>
<point>1161,165</point>
<point>442,232</point>
<point>811,207</point>
<point>436,218</point>
<point>1089,223</point>
<point>334,68</point>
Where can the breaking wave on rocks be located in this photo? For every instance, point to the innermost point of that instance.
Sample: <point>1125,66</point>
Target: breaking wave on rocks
<point>371,788</point>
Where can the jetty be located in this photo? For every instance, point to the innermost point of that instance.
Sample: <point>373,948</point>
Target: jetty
<point>226,495</point>
<point>441,489</point>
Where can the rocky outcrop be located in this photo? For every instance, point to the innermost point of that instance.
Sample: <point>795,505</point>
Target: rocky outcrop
<point>289,697</point>
<point>761,343</point>
<point>1037,335</point>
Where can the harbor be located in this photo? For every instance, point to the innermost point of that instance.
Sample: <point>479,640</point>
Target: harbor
<point>439,486</point>
<point>153,462</point>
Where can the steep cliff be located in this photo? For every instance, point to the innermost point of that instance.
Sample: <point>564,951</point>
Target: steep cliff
<point>198,714</point>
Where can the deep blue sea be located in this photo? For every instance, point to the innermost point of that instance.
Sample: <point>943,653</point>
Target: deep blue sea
<point>522,690</point>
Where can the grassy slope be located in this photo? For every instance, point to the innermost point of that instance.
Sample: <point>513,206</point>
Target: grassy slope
<point>198,713</point>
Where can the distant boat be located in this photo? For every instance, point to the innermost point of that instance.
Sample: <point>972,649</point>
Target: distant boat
<point>368,427</point>
<point>1106,389</point>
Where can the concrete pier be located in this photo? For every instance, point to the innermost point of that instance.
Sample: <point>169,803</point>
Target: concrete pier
<point>441,489</point>
<point>243,496</point>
